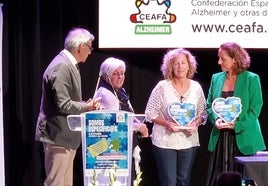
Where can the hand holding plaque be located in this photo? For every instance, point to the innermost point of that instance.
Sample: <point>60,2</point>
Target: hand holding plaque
<point>182,114</point>
<point>227,109</point>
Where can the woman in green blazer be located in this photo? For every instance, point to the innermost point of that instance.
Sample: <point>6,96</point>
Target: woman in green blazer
<point>243,136</point>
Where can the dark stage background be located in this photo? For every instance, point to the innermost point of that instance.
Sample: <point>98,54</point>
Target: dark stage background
<point>34,32</point>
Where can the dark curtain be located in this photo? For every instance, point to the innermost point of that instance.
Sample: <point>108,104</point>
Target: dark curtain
<point>34,32</point>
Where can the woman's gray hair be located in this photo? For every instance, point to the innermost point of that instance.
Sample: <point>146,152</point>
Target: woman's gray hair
<point>110,64</point>
<point>76,37</point>
<point>169,58</point>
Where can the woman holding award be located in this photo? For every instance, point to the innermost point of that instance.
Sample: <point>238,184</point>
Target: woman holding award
<point>240,135</point>
<point>176,107</point>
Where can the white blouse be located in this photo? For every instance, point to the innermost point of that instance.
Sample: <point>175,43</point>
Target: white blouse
<point>161,97</point>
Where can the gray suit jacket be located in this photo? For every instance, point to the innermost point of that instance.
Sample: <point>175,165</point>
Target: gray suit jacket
<point>61,96</point>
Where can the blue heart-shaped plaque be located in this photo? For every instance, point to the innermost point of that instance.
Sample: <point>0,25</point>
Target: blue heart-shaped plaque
<point>182,113</point>
<point>227,109</point>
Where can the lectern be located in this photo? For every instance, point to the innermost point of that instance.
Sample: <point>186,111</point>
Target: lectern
<point>106,142</point>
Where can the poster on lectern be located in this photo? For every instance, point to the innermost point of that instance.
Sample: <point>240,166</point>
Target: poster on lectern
<point>106,142</point>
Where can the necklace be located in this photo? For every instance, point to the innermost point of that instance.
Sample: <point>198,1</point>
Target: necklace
<point>231,77</point>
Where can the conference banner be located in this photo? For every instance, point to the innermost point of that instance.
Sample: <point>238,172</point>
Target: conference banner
<point>182,23</point>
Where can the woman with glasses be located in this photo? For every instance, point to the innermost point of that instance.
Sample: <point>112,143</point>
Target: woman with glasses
<point>114,96</point>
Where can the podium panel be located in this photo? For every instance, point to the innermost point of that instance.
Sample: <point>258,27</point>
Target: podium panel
<point>106,144</point>
<point>254,167</point>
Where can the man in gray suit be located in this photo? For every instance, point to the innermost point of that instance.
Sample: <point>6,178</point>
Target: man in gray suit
<point>62,96</point>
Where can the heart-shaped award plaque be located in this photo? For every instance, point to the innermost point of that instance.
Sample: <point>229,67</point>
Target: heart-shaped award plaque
<point>182,113</point>
<point>228,109</point>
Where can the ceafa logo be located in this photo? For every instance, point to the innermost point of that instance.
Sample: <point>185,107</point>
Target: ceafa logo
<point>153,17</point>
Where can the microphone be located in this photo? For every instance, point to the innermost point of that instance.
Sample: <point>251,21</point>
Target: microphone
<point>97,85</point>
<point>182,99</point>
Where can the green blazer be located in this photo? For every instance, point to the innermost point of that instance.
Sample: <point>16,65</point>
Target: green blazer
<point>247,128</point>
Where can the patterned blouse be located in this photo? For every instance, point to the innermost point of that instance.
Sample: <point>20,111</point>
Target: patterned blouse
<point>161,97</point>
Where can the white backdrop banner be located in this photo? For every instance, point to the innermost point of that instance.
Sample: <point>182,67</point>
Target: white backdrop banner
<point>182,23</point>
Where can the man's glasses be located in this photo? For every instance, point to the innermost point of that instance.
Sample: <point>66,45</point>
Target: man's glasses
<point>89,47</point>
